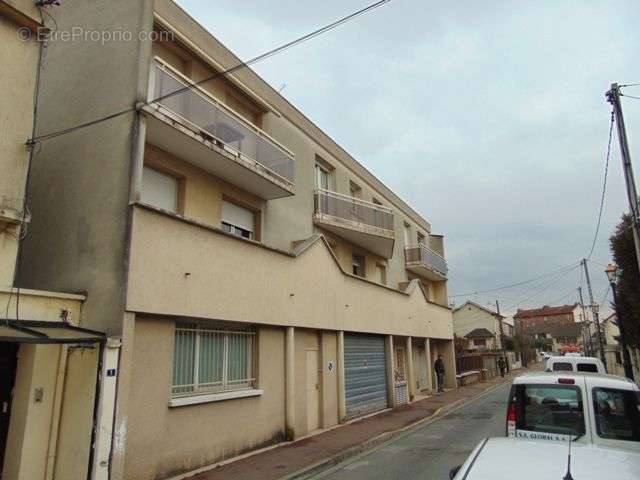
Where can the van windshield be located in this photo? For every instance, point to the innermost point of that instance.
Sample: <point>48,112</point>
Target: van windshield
<point>550,408</point>
<point>617,414</point>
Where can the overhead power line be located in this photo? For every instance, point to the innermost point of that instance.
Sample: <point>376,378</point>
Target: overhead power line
<point>239,66</point>
<point>629,96</point>
<point>545,286</point>
<point>517,284</point>
<point>604,187</point>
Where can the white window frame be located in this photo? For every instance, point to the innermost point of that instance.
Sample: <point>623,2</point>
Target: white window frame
<point>320,170</point>
<point>225,385</point>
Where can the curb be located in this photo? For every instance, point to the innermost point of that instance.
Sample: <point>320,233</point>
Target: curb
<point>385,437</point>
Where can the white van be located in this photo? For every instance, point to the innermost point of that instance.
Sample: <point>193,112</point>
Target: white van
<point>575,364</point>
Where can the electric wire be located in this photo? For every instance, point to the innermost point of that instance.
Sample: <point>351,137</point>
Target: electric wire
<point>517,284</point>
<point>241,65</point>
<point>544,286</point>
<point>604,186</point>
<point>629,96</point>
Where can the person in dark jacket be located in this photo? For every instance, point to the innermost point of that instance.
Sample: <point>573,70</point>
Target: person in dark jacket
<point>438,366</point>
<point>502,366</point>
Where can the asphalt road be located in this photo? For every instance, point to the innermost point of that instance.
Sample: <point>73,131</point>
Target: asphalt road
<point>429,452</point>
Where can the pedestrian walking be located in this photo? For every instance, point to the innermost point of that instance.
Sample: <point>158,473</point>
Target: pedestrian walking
<point>438,366</point>
<point>502,366</point>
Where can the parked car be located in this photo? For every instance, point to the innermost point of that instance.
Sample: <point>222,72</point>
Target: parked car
<point>588,407</point>
<point>508,459</point>
<point>572,363</point>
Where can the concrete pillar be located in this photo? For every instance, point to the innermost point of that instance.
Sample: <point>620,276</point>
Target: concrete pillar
<point>391,392</point>
<point>289,380</point>
<point>411,377</point>
<point>342,399</point>
<point>449,356</point>
<point>427,351</point>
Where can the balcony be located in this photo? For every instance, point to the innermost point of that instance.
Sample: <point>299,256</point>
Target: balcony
<point>197,128</point>
<point>423,261</point>
<point>362,223</point>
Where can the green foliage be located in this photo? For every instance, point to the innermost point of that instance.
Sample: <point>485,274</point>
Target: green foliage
<point>509,344</point>
<point>541,344</point>
<point>623,250</point>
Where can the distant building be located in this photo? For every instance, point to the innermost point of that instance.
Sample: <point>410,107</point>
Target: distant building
<point>480,326</point>
<point>547,315</point>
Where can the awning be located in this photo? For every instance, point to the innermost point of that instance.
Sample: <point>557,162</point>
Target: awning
<point>34,331</point>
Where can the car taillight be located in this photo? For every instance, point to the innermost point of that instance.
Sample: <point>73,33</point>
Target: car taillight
<point>566,381</point>
<point>511,413</point>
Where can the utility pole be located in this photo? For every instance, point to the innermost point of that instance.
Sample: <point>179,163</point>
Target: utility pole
<point>585,321</point>
<point>613,97</point>
<point>501,327</point>
<point>594,310</point>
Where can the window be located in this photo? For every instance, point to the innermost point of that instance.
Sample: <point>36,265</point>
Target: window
<point>562,367</point>
<point>382,273</point>
<point>421,239</point>
<point>407,234</point>
<point>617,414</point>
<point>587,367</point>
<point>549,408</point>
<point>323,177</point>
<point>237,221</point>
<point>355,190</point>
<point>358,265</point>
<point>160,189</point>
<point>209,361</point>
<point>618,358</point>
<point>480,342</point>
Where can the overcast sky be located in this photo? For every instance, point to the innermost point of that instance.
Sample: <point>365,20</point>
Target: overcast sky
<point>488,118</point>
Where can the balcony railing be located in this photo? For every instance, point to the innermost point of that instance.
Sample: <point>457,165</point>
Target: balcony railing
<point>353,210</point>
<point>424,256</point>
<point>197,107</point>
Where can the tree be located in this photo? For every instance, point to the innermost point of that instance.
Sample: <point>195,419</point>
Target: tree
<point>624,254</point>
<point>460,344</point>
<point>509,344</point>
<point>541,344</point>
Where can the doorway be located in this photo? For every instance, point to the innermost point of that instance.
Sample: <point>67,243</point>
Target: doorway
<point>313,391</point>
<point>8,363</point>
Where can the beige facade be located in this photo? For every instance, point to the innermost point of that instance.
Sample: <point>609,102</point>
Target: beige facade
<point>47,381</point>
<point>250,266</point>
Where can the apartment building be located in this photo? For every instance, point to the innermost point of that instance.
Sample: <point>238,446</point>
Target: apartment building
<point>263,283</point>
<point>48,366</point>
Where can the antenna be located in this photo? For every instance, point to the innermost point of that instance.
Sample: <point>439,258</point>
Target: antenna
<point>568,476</point>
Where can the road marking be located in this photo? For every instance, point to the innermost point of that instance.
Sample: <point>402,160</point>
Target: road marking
<point>355,465</point>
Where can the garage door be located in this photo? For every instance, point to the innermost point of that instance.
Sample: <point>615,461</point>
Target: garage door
<point>365,374</point>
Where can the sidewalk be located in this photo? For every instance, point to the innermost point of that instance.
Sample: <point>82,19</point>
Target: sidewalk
<point>335,445</point>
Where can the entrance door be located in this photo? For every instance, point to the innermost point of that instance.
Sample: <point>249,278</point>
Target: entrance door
<point>365,374</point>
<point>8,362</point>
<point>313,391</point>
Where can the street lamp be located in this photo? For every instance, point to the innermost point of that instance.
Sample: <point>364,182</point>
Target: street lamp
<point>612,276</point>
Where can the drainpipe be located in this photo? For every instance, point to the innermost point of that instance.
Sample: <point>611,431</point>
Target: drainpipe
<point>56,411</point>
<point>391,387</point>
<point>427,351</point>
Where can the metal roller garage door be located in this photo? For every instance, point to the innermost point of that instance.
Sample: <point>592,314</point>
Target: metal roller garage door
<point>365,374</point>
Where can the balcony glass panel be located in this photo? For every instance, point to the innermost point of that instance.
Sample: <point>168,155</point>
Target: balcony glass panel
<point>353,209</point>
<point>427,257</point>
<point>211,117</point>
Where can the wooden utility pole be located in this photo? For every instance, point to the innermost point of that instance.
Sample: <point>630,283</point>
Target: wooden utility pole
<point>613,97</point>
<point>594,310</point>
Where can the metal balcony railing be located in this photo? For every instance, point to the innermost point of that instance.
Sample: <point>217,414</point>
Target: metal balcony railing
<point>203,111</point>
<point>427,257</point>
<point>353,209</point>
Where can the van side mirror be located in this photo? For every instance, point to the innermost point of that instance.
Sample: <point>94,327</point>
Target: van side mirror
<point>454,471</point>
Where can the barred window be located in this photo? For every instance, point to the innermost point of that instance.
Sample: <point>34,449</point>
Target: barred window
<point>209,361</point>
